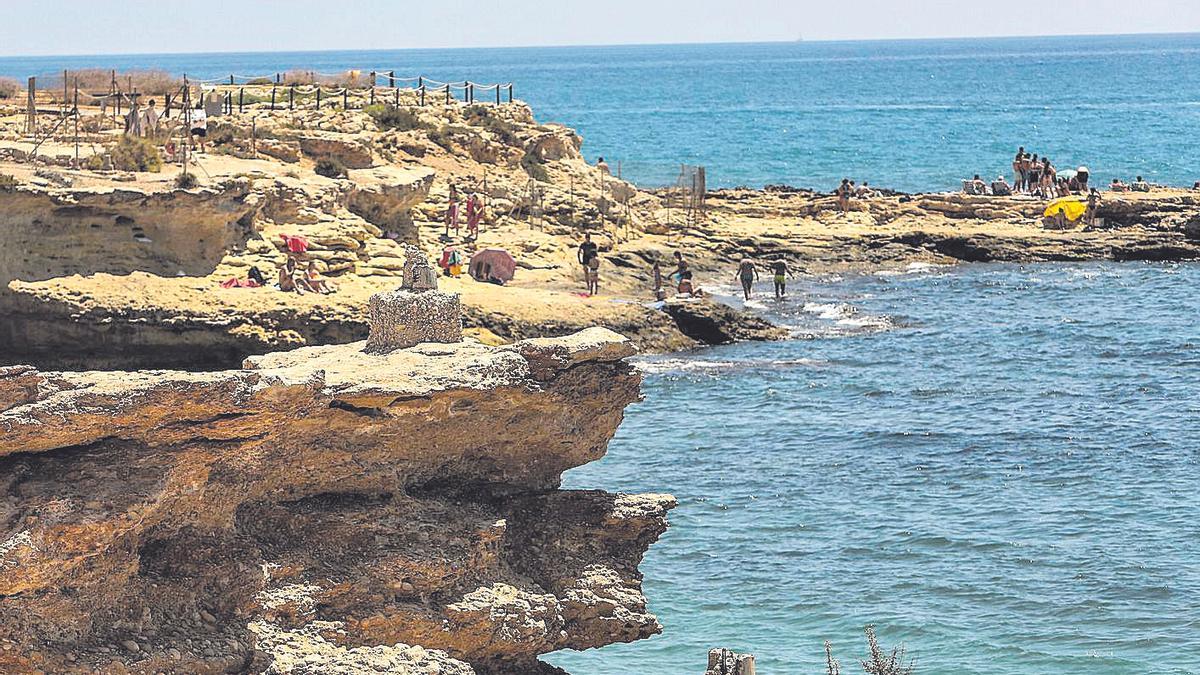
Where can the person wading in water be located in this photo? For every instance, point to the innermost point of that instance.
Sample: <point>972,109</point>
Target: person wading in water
<point>747,274</point>
<point>780,269</point>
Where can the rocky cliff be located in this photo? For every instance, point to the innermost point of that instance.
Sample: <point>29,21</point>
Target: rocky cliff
<point>322,510</point>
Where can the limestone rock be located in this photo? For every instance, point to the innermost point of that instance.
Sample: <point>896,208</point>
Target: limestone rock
<point>323,510</point>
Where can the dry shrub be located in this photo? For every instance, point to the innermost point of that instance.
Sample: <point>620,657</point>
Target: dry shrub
<point>351,79</point>
<point>299,77</point>
<point>879,661</point>
<point>9,88</point>
<point>136,154</point>
<point>151,82</point>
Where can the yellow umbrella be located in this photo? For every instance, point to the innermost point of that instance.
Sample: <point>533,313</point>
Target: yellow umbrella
<point>1071,207</point>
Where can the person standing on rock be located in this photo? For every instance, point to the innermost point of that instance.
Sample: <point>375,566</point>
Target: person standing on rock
<point>747,274</point>
<point>587,251</point>
<point>780,270</point>
<point>474,215</point>
<point>843,195</point>
<point>603,167</point>
<point>452,212</point>
<point>659,292</point>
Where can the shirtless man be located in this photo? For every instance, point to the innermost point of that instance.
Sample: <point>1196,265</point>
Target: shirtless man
<point>747,273</point>
<point>780,270</point>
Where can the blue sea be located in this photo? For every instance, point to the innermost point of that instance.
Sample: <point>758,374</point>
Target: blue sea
<point>996,465</point>
<point>911,115</point>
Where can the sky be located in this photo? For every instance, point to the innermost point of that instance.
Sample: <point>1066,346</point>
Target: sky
<point>51,27</point>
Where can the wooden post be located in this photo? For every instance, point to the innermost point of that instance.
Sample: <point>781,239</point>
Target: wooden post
<point>497,94</point>
<point>392,79</point>
<point>447,93</point>
<point>272,97</point>
<point>345,98</point>
<point>241,99</point>
<point>470,92</point>
<point>396,93</point>
<point>187,122</point>
<point>422,90</point>
<point>166,108</point>
<point>510,92</point>
<point>278,78</point>
<point>318,98</point>
<point>66,97</point>
<point>372,98</point>
<point>231,80</point>
<point>31,110</point>
<point>254,137</point>
<point>420,81</point>
<point>292,97</point>
<point>76,123</point>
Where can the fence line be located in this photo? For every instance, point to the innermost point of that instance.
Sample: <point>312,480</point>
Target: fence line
<point>381,86</point>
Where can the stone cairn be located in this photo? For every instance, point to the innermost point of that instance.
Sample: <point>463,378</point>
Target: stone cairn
<point>416,312</point>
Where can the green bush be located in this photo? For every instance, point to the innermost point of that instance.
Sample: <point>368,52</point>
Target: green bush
<point>442,136</point>
<point>483,116</point>
<point>258,81</point>
<point>331,168</point>
<point>388,116</point>
<point>535,167</point>
<point>186,181</point>
<point>8,182</point>
<point>136,154</point>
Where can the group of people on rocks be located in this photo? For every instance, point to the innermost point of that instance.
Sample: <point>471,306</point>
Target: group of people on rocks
<point>682,277</point>
<point>847,190</point>
<point>1034,176</point>
<point>474,214</point>
<point>292,280</point>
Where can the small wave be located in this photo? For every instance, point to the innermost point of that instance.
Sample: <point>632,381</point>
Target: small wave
<point>912,268</point>
<point>830,310</point>
<point>686,365</point>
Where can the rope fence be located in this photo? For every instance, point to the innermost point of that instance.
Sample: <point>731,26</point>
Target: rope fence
<point>294,90</point>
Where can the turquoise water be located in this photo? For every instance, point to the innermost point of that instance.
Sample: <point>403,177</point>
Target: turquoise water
<point>995,464</point>
<point>998,465</point>
<point>911,115</point>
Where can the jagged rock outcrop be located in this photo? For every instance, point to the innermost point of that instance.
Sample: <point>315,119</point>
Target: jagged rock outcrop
<point>714,323</point>
<point>321,510</point>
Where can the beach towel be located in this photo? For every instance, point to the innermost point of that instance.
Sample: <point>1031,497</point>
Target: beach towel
<point>295,244</point>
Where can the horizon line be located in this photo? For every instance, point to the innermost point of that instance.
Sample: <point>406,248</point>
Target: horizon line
<point>800,40</point>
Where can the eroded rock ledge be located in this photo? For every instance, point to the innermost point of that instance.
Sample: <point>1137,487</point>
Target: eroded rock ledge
<point>320,510</point>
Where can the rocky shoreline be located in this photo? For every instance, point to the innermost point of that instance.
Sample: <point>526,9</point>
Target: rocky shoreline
<point>123,270</point>
<point>234,483</point>
<point>323,505</point>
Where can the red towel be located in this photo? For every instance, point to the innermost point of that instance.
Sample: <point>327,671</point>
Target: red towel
<point>295,243</point>
<point>239,283</point>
